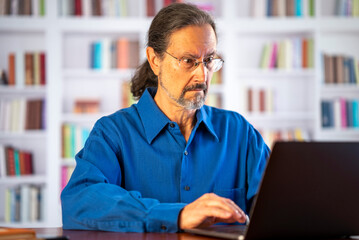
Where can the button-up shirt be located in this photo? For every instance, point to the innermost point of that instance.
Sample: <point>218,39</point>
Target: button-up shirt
<point>136,171</point>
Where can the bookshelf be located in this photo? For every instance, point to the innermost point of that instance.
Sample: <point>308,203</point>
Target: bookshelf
<point>67,40</point>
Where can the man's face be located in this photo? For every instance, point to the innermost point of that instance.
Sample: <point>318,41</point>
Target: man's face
<point>188,88</point>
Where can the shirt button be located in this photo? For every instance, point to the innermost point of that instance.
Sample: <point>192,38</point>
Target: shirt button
<point>163,227</point>
<point>185,153</point>
<point>172,125</point>
<point>186,188</point>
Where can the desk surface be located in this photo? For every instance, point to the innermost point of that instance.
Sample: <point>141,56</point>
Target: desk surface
<point>99,235</point>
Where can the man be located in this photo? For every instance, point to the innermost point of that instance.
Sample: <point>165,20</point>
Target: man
<point>168,162</point>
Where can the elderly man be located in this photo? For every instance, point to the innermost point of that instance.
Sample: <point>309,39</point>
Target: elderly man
<point>168,162</point>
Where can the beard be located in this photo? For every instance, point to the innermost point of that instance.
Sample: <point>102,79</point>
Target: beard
<point>193,103</point>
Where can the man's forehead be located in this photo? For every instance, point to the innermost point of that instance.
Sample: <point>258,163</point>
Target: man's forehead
<point>194,40</point>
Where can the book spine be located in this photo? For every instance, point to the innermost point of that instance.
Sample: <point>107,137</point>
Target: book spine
<point>20,69</point>
<point>42,69</point>
<point>11,70</point>
<point>17,162</point>
<point>42,8</point>
<point>343,112</point>
<point>355,113</point>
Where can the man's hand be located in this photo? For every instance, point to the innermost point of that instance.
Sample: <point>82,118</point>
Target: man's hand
<point>210,209</point>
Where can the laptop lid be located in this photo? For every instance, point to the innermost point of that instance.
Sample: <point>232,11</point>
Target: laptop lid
<point>309,189</point>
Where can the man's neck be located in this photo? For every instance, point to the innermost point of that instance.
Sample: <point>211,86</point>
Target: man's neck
<point>185,118</point>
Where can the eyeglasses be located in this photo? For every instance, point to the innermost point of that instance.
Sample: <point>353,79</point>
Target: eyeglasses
<point>190,64</point>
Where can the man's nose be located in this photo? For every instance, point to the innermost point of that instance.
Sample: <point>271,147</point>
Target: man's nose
<point>201,72</point>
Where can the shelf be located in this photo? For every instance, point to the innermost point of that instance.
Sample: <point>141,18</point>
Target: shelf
<point>23,24</point>
<point>23,224</point>
<point>338,24</point>
<point>83,118</point>
<point>344,134</point>
<point>294,25</point>
<point>276,73</point>
<point>340,90</point>
<point>274,25</point>
<point>69,162</point>
<point>101,73</point>
<point>26,179</point>
<point>28,90</point>
<point>104,24</point>
<point>27,134</point>
<point>282,116</point>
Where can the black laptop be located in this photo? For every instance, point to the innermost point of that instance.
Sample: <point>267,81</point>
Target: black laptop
<point>309,190</point>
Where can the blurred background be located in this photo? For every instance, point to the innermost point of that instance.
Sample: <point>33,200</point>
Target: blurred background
<point>291,68</point>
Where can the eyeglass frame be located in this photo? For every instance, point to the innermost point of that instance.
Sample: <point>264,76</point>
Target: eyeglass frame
<point>197,63</point>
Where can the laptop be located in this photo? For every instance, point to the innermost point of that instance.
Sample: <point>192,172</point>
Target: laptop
<point>309,189</point>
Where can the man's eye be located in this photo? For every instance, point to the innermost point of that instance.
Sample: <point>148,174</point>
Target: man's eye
<point>188,60</point>
<point>208,60</point>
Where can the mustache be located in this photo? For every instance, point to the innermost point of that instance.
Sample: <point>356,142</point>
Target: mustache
<point>197,86</point>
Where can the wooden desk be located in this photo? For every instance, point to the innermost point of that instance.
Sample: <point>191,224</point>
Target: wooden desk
<point>99,235</point>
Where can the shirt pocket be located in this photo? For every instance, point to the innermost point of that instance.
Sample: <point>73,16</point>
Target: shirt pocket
<point>237,195</point>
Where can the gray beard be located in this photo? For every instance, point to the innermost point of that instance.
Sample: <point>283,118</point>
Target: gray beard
<point>192,104</point>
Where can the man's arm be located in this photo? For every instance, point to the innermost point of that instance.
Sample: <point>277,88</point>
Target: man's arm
<point>95,200</point>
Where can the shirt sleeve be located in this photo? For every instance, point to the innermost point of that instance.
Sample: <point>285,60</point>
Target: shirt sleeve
<point>258,153</point>
<point>94,199</point>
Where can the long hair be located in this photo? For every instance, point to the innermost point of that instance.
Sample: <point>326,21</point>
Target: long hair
<point>167,21</point>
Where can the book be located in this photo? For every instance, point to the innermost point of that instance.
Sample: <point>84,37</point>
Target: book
<point>42,68</point>
<point>343,113</point>
<point>17,233</point>
<point>2,161</point>
<point>150,8</point>
<point>19,69</point>
<point>355,108</point>
<point>123,53</point>
<point>29,66</point>
<point>11,80</point>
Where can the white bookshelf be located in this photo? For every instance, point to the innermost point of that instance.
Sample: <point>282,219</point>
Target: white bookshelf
<point>66,39</point>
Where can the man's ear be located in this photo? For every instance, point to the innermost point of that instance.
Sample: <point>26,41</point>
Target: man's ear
<point>153,59</point>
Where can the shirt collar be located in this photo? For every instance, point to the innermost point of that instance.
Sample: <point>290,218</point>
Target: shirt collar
<point>202,117</point>
<point>152,117</point>
<point>154,120</point>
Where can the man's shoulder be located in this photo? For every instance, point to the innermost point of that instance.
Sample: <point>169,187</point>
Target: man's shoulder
<point>118,118</point>
<point>223,114</point>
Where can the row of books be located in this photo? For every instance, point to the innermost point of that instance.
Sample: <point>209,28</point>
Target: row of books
<point>27,68</point>
<point>18,115</point>
<point>340,113</point>
<point>260,100</point>
<point>348,8</point>
<point>283,8</point>
<point>340,69</point>
<point>66,172</point>
<point>288,54</point>
<point>15,162</point>
<point>153,6</point>
<point>23,204</point>
<point>73,139</point>
<point>296,134</point>
<point>87,8</point>
<point>108,54</point>
<point>22,7</point>
<point>88,105</point>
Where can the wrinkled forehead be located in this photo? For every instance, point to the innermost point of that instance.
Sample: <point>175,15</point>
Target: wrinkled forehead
<point>199,40</point>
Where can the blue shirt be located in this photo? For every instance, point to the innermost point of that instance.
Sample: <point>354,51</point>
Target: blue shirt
<point>136,171</point>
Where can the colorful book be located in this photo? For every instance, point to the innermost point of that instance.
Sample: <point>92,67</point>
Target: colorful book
<point>355,113</point>
<point>343,113</point>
